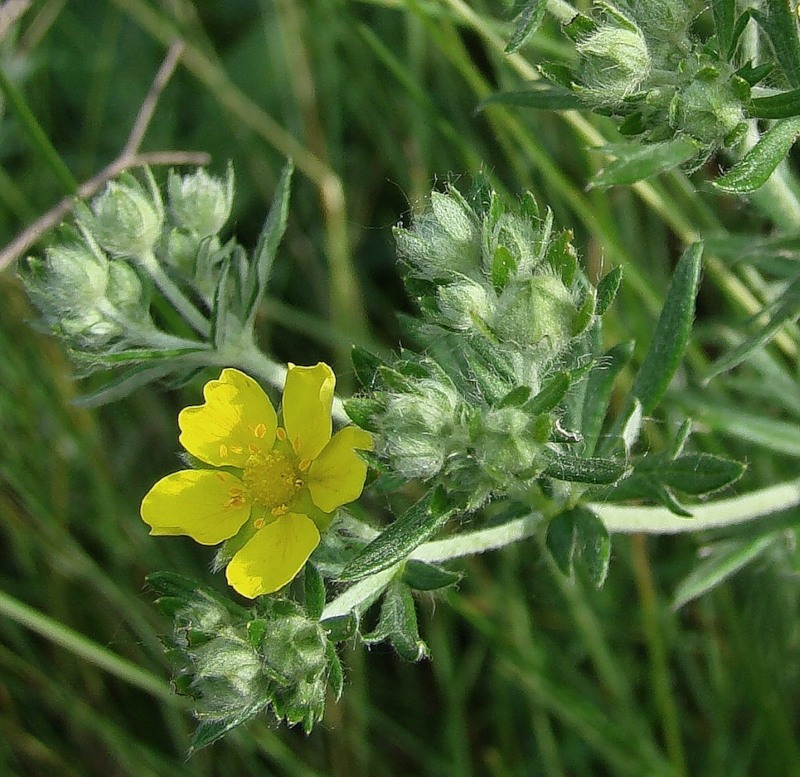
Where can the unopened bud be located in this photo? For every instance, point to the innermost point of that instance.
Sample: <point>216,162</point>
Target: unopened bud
<point>201,203</point>
<point>616,62</point>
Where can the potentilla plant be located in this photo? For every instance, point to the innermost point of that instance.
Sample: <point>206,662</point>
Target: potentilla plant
<point>491,427</point>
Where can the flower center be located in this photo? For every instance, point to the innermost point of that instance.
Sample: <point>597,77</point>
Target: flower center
<point>272,480</point>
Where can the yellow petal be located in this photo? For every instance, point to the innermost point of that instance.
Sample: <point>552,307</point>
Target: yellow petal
<point>204,504</point>
<point>307,400</point>
<point>237,418</point>
<point>274,556</point>
<point>337,475</point>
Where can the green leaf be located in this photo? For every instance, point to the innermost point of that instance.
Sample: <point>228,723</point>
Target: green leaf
<point>637,161</point>
<point>209,731</point>
<point>607,289</point>
<point>314,591</point>
<point>724,12</point>
<point>365,365</point>
<point>124,384</point>
<point>672,331</point>
<point>268,243</point>
<point>787,308</point>
<point>421,521</point>
<point>363,411</point>
<point>528,22</point>
<point>780,25</point>
<point>754,75</point>
<point>753,171</point>
<point>341,628</point>
<point>580,470</point>
<point>726,559</point>
<point>540,96</point>
<point>223,326</point>
<point>598,392</point>
<point>335,671</point>
<point>775,106</point>
<point>577,538</point>
<point>553,392</point>
<point>422,576</point>
<point>397,624</point>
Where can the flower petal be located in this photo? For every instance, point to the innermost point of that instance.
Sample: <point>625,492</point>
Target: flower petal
<point>237,416</point>
<point>337,475</point>
<point>204,504</point>
<point>307,401</point>
<point>274,556</point>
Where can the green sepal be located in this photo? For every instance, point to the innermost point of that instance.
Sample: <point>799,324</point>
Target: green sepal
<point>503,268</point>
<point>365,366</point>
<point>516,397</point>
<point>577,538</point>
<point>209,731</point>
<point>562,256</point>
<point>400,538</point>
<point>585,314</point>
<point>422,576</point>
<point>363,411</point>
<point>551,394</point>
<point>397,624</point>
<point>335,672</point>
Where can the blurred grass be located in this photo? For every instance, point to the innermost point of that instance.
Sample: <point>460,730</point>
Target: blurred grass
<point>532,674</point>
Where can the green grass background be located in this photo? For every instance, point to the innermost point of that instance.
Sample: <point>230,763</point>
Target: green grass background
<point>531,674</point>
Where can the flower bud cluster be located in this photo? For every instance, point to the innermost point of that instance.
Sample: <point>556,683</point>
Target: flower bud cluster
<point>86,296</point>
<point>504,311</point>
<point>235,661</point>
<point>642,61</point>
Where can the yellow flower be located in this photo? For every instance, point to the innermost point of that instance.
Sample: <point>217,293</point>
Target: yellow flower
<point>279,479</point>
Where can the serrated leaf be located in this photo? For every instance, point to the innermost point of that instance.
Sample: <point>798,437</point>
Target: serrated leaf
<point>421,521</point>
<point>637,161</point>
<point>528,22</point>
<point>268,242</point>
<point>540,96</point>
<point>726,559</point>
<point>607,289</point>
<point>578,538</point>
<point>753,171</point>
<point>422,576</point>
<point>584,470</point>
<point>397,624</point>
<point>787,308</point>
<point>672,331</point>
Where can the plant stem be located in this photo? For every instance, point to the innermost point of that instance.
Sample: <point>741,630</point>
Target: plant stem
<point>177,298</point>
<point>617,519</point>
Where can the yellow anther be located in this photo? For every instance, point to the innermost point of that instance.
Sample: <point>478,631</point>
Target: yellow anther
<point>223,451</point>
<point>280,510</point>
<point>237,449</point>
<point>280,433</point>
<point>259,523</point>
<point>253,448</point>
<point>260,431</point>
<point>304,465</point>
<point>296,445</point>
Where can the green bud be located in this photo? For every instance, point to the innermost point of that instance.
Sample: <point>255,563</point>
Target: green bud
<point>415,454</point>
<point>464,303</point>
<point>708,110</point>
<point>201,203</point>
<point>125,220</point>
<point>534,309</point>
<point>124,289</point>
<point>442,243</point>
<point>615,63</point>
<point>507,444</point>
